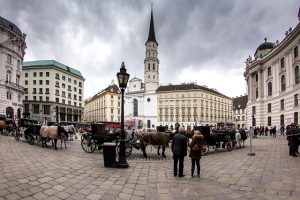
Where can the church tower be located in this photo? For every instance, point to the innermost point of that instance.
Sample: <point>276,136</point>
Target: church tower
<point>151,62</point>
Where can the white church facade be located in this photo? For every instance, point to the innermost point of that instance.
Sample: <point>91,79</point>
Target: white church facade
<point>140,97</point>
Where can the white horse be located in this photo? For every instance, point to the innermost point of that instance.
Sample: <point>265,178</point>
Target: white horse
<point>238,139</point>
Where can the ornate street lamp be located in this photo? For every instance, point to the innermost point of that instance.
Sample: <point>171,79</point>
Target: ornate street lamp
<point>123,78</point>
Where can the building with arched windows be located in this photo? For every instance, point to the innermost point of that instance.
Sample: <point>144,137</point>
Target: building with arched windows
<point>12,51</point>
<point>273,82</point>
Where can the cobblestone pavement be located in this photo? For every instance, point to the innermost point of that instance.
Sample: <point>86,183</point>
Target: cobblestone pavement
<point>32,172</point>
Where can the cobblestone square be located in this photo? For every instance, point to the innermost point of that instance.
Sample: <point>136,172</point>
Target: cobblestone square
<point>32,172</point>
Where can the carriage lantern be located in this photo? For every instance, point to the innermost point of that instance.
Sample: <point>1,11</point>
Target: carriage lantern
<point>123,78</point>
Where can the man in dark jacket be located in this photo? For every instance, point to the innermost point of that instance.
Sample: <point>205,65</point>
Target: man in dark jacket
<point>292,137</point>
<point>179,149</point>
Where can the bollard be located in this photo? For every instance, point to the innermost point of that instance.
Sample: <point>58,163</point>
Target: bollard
<point>251,135</point>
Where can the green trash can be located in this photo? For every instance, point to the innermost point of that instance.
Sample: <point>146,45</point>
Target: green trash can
<point>109,154</point>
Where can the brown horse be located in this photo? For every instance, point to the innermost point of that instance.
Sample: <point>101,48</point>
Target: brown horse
<point>156,139</point>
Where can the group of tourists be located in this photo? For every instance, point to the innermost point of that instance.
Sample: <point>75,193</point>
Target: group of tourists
<point>264,131</point>
<point>179,149</point>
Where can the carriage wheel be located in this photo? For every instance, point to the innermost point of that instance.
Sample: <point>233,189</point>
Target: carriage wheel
<point>229,146</point>
<point>128,149</point>
<point>17,135</point>
<point>31,139</point>
<point>88,145</point>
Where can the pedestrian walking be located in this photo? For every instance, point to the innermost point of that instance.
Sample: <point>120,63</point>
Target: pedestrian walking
<point>282,129</point>
<point>179,149</point>
<point>266,131</point>
<point>292,134</point>
<point>196,152</point>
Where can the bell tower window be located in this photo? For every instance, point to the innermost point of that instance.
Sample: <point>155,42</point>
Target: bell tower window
<point>149,66</point>
<point>153,66</point>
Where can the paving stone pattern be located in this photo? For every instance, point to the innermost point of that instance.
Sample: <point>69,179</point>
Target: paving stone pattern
<point>32,172</point>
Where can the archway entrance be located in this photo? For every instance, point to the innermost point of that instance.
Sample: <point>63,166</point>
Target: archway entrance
<point>9,112</point>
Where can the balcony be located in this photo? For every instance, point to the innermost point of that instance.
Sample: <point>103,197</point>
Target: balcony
<point>12,85</point>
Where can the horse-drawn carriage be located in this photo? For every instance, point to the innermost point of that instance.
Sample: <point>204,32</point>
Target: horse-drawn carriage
<point>7,125</point>
<point>95,137</point>
<point>215,138</point>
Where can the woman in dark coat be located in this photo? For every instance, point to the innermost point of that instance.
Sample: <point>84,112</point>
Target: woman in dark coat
<point>196,152</point>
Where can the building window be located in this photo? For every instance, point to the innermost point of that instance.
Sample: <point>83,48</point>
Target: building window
<point>26,90</point>
<point>153,66</point>
<point>63,85</point>
<point>34,98</point>
<point>57,100</point>
<point>18,80</point>
<point>281,119</point>
<point>256,93</point>
<point>57,92</point>
<point>63,78</point>
<point>33,90</point>
<point>253,110</point>
<point>57,76</point>
<point>40,90</point>
<point>283,83</point>
<point>269,121</point>
<point>63,101</point>
<point>296,100</point>
<point>34,82</point>
<point>8,95</point>
<point>47,90</point>
<point>41,82</point>
<point>8,76</point>
<point>296,52</point>
<point>269,107</point>
<point>26,98</point>
<point>26,74</point>
<point>256,77</point>
<point>34,74</point>
<point>282,62</point>
<point>297,75</point>
<point>135,107</point>
<point>47,74</point>
<point>41,98</point>
<point>8,59</point>
<point>296,118</point>
<point>41,74</point>
<point>270,89</point>
<point>47,82</point>
<point>47,98</point>
<point>112,111</point>
<point>269,71</point>
<point>46,109</point>
<point>36,108</point>
<point>69,80</point>
<point>282,104</point>
<point>149,66</point>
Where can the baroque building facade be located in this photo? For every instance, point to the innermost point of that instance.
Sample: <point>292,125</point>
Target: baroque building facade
<point>104,106</point>
<point>53,91</point>
<point>140,98</point>
<point>12,51</point>
<point>191,104</point>
<point>239,112</point>
<point>273,80</point>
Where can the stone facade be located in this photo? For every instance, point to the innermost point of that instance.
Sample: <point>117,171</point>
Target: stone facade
<point>273,81</point>
<point>104,106</point>
<point>239,111</point>
<point>53,91</point>
<point>191,104</point>
<point>12,51</point>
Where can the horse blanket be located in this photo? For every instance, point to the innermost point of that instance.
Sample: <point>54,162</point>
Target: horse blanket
<point>49,132</point>
<point>155,138</point>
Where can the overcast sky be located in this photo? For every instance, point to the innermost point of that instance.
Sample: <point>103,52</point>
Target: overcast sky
<point>206,41</point>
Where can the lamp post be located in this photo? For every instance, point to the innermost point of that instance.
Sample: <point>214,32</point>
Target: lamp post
<point>123,80</point>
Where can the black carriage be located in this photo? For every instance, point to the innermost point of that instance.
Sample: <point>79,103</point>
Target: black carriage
<point>23,124</point>
<point>32,133</point>
<point>95,137</point>
<point>215,138</point>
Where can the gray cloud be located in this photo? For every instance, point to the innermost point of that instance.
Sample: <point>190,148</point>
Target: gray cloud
<point>194,36</point>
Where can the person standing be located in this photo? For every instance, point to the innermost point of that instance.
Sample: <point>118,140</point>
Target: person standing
<point>196,152</point>
<point>292,137</point>
<point>179,149</point>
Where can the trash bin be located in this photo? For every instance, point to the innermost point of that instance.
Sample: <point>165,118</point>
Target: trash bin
<point>109,154</point>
